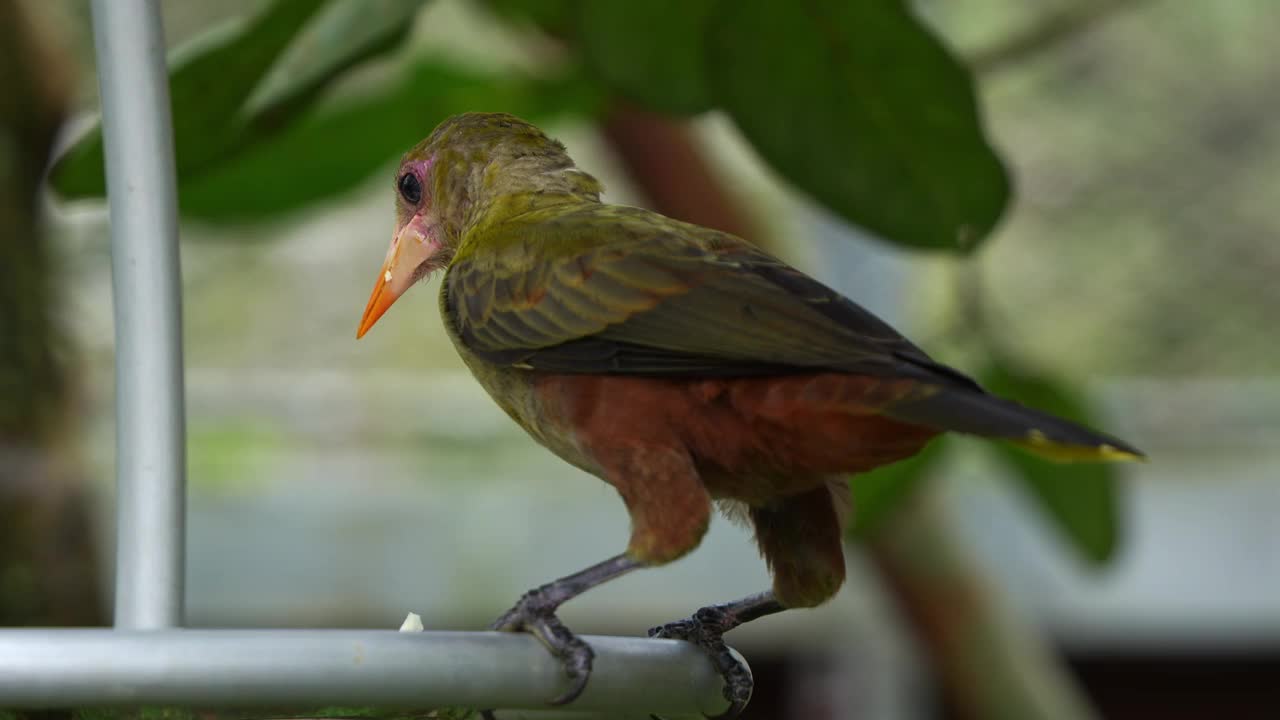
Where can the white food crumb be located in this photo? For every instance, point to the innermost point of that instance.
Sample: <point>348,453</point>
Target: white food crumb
<point>386,277</point>
<point>412,623</point>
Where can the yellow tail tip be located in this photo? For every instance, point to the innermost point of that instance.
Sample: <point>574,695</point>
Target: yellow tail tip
<point>1041,445</point>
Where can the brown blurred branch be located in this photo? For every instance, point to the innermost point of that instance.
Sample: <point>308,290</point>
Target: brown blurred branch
<point>664,159</point>
<point>993,665</point>
<point>1047,33</point>
<point>48,570</point>
<point>990,663</point>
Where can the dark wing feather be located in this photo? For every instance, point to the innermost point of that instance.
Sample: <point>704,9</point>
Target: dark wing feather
<point>616,290</point>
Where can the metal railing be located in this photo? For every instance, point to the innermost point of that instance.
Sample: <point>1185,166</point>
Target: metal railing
<point>148,659</point>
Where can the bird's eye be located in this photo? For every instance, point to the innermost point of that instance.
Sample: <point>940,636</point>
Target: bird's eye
<point>410,188</point>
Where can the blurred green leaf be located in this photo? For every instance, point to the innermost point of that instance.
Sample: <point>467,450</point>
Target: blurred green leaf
<point>652,53</point>
<point>860,106</point>
<point>208,83</point>
<point>328,152</point>
<point>345,34</point>
<point>553,16</point>
<point>224,458</point>
<point>1080,499</point>
<point>176,713</point>
<point>228,93</point>
<point>877,494</point>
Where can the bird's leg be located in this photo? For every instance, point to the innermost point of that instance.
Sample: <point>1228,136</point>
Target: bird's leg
<point>706,629</point>
<point>535,613</point>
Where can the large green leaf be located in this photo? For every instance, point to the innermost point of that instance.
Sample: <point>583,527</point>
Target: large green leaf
<point>327,152</point>
<point>860,106</point>
<point>651,52</point>
<point>1081,500</point>
<point>235,86</point>
<point>209,82</point>
<point>877,494</point>
<point>345,35</point>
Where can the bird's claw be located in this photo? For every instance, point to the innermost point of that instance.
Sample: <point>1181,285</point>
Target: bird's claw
<point>535,614</point>
<point>706,630</point>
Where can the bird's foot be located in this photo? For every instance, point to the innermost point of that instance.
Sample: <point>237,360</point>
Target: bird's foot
<point>706,629</point>
<point>535,613</point>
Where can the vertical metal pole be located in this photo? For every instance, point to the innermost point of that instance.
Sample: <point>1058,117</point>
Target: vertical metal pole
<point>150,428</point>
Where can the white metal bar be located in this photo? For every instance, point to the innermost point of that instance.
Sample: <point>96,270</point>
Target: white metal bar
<point>314,668</point>
<point>150,428</point>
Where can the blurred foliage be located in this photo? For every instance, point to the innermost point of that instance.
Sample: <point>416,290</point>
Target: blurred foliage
<point>860,106</point>
<point>314,158</point>
<point>835,106</point>
<point>208,85</point>
<point>180,713</point>
<point>216,114</point>
<point>230,456</point>
<point>620,40</point>
<point>1147,156</point>
<point>48,570</point>
<point>33,374</point>
<point>1081,500</point>
<point>857,104</point>
<point>879,493</point>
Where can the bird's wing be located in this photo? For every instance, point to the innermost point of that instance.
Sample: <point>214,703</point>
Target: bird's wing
<point>607,290</point>
<point>619,291</point>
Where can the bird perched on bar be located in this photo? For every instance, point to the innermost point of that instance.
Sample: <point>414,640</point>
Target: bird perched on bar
<point>681,365</point>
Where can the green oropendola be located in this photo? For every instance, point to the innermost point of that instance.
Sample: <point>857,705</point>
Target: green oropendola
<point>679,364</point>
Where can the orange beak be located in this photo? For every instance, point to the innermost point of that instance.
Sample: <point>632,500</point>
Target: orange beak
<point>410,250</point>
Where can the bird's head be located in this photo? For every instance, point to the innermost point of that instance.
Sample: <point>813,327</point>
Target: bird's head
<point>449,183</point>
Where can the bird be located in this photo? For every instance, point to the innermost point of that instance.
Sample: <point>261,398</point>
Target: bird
<point>683,366</point>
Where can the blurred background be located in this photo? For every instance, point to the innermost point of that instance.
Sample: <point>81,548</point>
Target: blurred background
<point>1129,278</point>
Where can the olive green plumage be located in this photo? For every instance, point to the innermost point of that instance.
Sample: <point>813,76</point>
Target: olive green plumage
<point>544,276</point>
<point>487,168</point>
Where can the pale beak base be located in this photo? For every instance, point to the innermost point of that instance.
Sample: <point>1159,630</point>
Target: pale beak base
<point>411,248</point>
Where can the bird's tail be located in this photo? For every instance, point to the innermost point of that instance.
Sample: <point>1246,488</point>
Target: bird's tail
<point>975,412</point>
